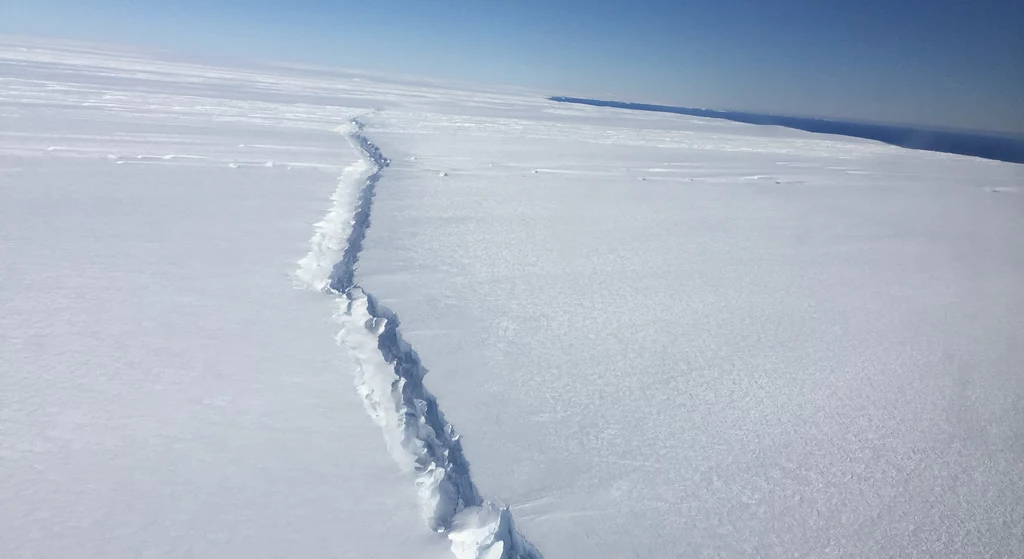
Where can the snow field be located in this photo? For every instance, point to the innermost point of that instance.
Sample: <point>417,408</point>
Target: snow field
<point>659,335</point>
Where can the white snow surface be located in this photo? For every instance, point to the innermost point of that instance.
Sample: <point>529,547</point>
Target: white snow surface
<point>647,335</point>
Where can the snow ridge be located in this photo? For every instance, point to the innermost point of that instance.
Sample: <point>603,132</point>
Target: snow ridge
<point>389,375</point>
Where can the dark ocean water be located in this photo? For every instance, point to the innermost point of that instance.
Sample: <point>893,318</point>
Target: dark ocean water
<point>988,146</point>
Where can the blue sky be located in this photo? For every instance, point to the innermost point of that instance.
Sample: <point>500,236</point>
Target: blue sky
<point>940,62</point>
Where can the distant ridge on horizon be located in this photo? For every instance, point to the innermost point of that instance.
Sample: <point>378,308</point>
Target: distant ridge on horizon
<point>976,144</point>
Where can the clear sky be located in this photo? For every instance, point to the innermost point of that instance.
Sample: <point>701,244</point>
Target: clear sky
<point>957,63</point>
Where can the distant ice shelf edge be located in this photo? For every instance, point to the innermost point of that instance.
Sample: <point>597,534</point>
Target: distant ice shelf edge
<point>997,147</point>
<point>389,374</point>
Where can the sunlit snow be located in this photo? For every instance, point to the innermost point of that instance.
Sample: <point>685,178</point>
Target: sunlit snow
<point>268,311</point>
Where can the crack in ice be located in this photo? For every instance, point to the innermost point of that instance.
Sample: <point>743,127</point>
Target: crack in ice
<point>389,374</point>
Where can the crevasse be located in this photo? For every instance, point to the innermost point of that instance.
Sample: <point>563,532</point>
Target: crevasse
<point>389,374</point>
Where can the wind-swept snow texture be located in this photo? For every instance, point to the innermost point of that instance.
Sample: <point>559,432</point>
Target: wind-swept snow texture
<point>682,337</point>
<point>389,377</point>
<point>659,335</point>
